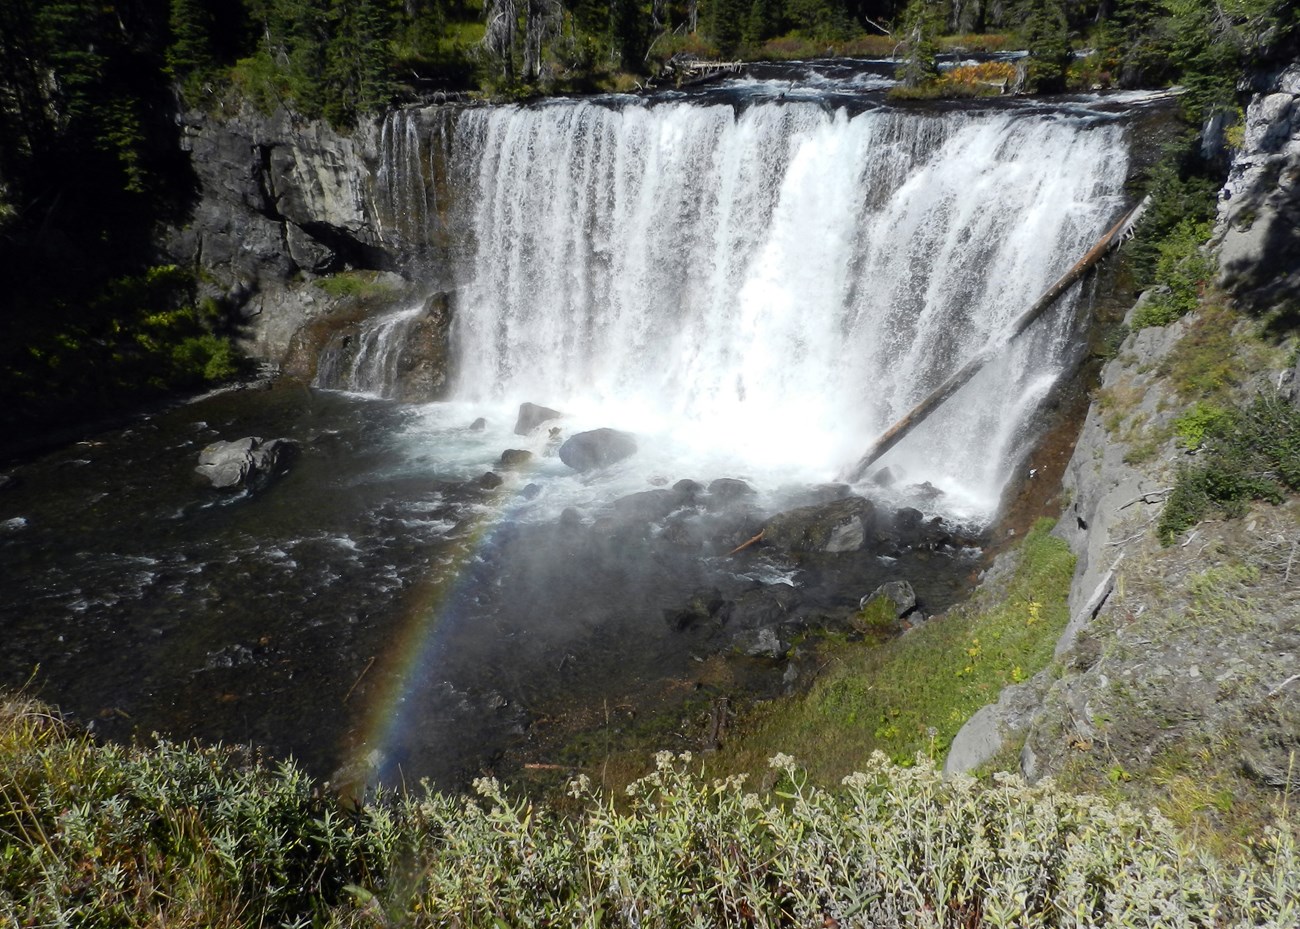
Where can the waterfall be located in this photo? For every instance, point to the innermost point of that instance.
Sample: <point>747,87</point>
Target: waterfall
<point>774,285</point>
<point>369,360</point>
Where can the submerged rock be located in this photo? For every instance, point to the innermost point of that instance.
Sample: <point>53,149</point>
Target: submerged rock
<point>531,415</point>
<point>478,425</point>
<point>491,480</point>
<point>248,462</point>
<point>598,448</point>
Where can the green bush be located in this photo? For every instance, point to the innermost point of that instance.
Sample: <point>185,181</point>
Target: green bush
<point>1183,269</point>
<point>1251,454</point>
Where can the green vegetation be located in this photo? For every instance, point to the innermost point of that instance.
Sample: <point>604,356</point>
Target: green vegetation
<point>911,694</point>
<point>98,836</point>
<point>1250,454</point>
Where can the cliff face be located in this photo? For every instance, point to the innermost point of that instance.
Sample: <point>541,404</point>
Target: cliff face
<point>1179,658</point>
<point>280,202</point>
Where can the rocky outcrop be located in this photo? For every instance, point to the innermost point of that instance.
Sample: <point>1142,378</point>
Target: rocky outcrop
<point>281,200</point>
<point>1259,251</point>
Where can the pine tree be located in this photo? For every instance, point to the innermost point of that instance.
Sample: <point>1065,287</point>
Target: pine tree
<point>922,23</point>
<point>190,57</point>
<point>1045,32</point>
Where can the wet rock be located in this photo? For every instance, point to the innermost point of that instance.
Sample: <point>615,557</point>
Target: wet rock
<point>478,425</point>
<point>531,491</point>
<point>727,490</point>
<point>700,608</point>
<point>570,517</point>
<point>925,492</point>
<point>766,606</point>
<point>898,594</point>
<point>841,526</point>
<point>531,415</point>
<point>13,526</point>
<point>648,505</point>
<point>762,643</point>
<point>248,462</point>
<point>684,531</point>
<point>515,457</point>
<point>884,478</point>
<point>491,480</point>
<point>7,481</point>
<point>597,448</point>
<point>689,488</point>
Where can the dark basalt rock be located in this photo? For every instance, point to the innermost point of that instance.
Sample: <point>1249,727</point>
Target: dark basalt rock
<point>250,462</point>
<point>491,480</point>
<point>764,607</point>
<point>531,415</point>
<point>842,526</point>
<point>727,490</point>
<point>700,608</point>
<point>648,505</point>
<point>515,457</point>
<point>598,448</point>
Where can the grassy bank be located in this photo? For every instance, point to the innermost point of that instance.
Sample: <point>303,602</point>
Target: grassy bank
<point>912,693</point>
<point>169,835</point>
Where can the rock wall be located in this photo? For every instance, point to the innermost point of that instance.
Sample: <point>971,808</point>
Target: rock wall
<point>281,201</point>
<point>1260,204</point>
<point>1187,647</point>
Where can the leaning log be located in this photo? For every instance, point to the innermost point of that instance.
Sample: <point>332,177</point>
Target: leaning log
<point>895,433</point>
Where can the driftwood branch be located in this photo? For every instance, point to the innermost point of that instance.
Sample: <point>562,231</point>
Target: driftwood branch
<point>744,545</point>
<point>900,429</point>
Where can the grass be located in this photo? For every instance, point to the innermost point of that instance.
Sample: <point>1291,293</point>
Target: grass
<point>102,836</point>
<point>360,285</point>
<point>911,694</point>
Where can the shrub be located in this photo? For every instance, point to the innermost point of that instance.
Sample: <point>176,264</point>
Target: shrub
<point>1251,454</point>
<point>97,835</point>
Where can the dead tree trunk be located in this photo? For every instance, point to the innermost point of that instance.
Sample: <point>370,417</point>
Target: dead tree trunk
<point>895,433</point>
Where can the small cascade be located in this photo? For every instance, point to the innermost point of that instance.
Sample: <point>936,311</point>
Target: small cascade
<point>371,359</point>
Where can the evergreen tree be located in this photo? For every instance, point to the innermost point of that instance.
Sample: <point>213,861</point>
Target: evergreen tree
<point>1045,32</point>
<point>922,24</point>
<point>628,33</point>
<point>190,56</point>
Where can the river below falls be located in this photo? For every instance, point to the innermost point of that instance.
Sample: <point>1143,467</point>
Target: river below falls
<point>373,602</point>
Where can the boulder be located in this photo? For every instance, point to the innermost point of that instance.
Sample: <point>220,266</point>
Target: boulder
<point>515,457</point>
<point>899,595</point>
<point>531,416</point>
<point>688,488</point>
<point>648,506</point>
<point>491,481</point>
<point>531,491</point>
<point>765,606</point>
<point>248,462</point>
<point>598,448</point>
<point>700,608</point>
<point>478,425</point>
<point>841,526</point>
<point>727,490</point>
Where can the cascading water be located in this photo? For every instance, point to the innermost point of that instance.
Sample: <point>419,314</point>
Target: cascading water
<point>766,290</point>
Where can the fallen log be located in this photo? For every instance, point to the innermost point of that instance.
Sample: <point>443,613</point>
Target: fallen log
<point>895,433</point>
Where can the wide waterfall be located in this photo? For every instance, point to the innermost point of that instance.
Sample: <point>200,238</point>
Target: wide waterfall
<point>765,289</point>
